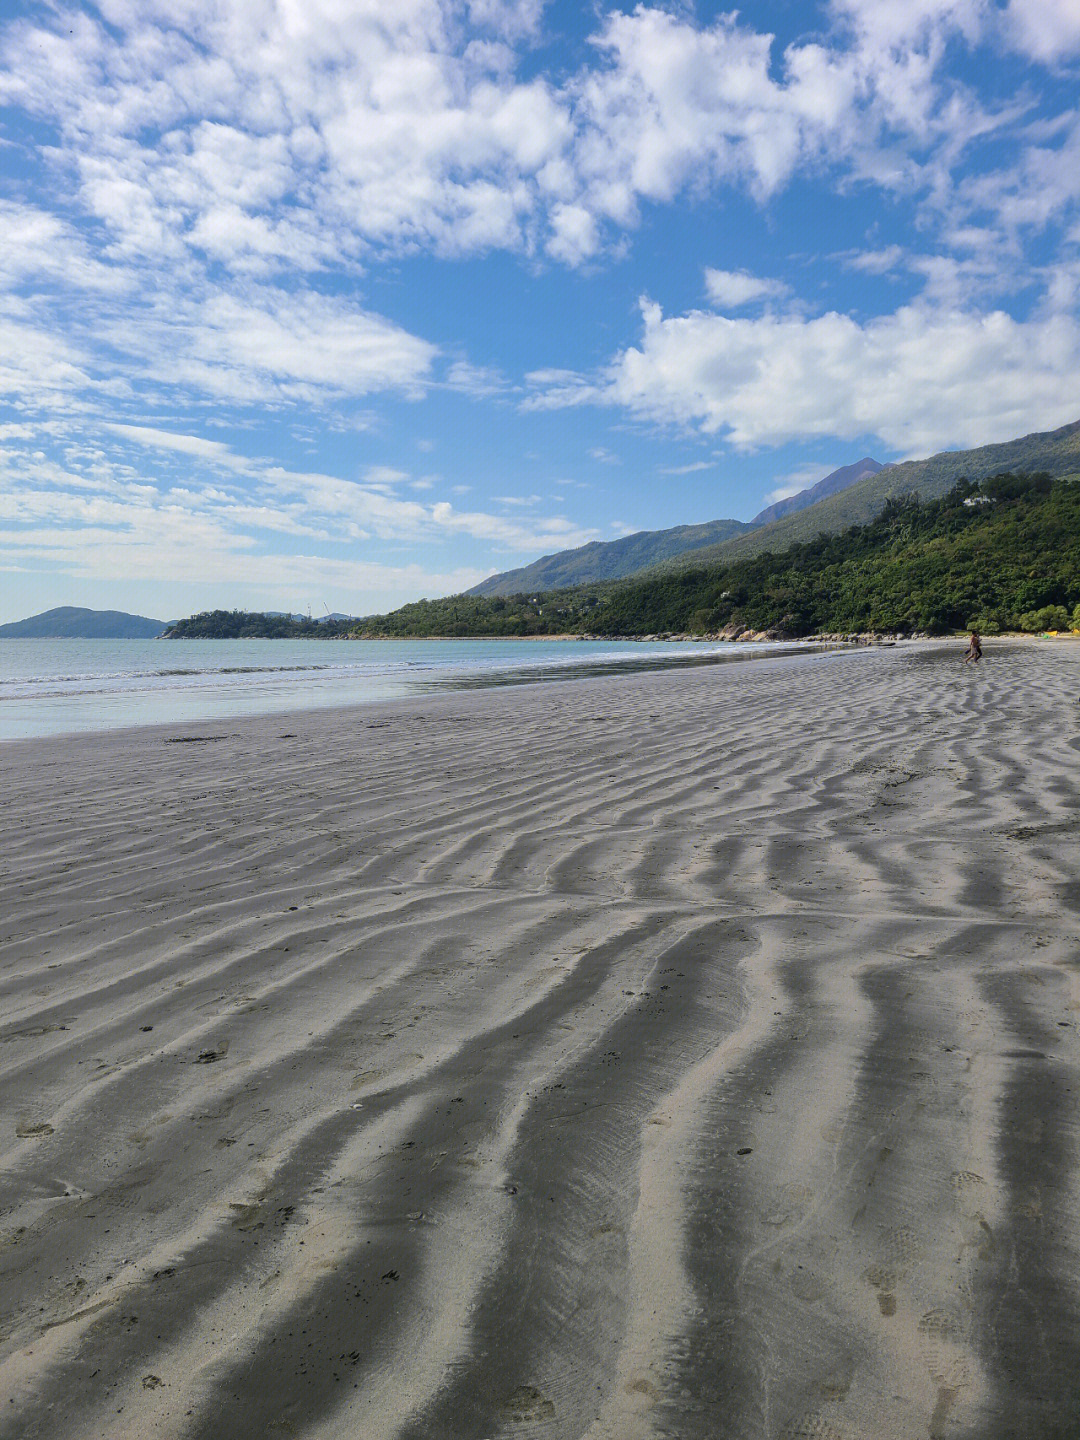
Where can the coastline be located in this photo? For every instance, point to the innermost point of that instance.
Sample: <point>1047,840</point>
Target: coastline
<point>66,687</point>
<point>641,1056</point>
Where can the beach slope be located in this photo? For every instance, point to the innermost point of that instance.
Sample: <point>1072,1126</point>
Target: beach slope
<point>688,1055</point>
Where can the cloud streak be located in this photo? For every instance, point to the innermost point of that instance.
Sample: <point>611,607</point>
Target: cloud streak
<point>110,511</point>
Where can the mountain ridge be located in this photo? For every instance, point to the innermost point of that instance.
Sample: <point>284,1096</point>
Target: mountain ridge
<point>607,559</point>
<point>602,560</point>
<point>830,484</point>
<point>1055,451</point>
<point>75,622</point>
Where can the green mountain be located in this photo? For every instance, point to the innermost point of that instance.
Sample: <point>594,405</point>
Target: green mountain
<point>71,622</point>
<point>831,485</point>
<point>1055,451</point>
<point>607,559</point>
<point>258,625</point>
<point>613,559</point>
<point>1002,554</point>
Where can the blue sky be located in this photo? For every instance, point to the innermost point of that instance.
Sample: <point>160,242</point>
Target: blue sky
<point>344,302</point>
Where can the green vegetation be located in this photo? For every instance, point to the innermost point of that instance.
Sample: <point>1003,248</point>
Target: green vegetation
<point>995,555</point>
<point>254,625</point>
<point>991,556</point>
<point>558,612</point>
<point>608,559</point>
<point>1003,554</point>
<point>1055,451</point>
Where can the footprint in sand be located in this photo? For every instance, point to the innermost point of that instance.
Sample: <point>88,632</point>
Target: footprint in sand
<point>942,1333</point>
<point>806,1285</point>
<point>790,1203</point>
<point>527,1404</point>
<point>964,1181</point>
<point>812,1426</point>
<point>903,1245</point>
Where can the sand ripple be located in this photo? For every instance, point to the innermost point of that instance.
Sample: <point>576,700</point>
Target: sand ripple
<point>683,1055</point>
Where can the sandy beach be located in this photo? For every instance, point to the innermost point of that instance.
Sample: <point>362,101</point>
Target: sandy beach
<point>677,1055</point>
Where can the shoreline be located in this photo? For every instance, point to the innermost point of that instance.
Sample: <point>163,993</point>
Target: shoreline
<point>411,688</point>
<point>648,1056</point>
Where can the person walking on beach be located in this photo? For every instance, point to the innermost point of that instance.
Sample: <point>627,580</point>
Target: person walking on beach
<point>973,654</point>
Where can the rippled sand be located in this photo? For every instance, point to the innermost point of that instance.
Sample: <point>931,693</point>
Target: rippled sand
<point>676,1055</point>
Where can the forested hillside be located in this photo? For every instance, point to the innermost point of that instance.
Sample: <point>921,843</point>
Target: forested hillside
<point>615,559</point>
<point>1003,554</point>
<point>1055,451</point>
<point>608,559</point>
<point>256,625</point>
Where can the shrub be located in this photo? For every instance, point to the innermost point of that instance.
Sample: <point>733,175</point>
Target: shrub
<point>1050,617</point>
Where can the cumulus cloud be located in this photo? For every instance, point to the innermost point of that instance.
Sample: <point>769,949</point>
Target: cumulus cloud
<point>1047,30</point>
<point>731,289</point>
<point>920,378</point>
<point>205,153</point>
<point>217,184</point>
<point>259,138</point>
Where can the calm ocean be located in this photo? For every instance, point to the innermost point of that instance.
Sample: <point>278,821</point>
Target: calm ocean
<point>56,687</point>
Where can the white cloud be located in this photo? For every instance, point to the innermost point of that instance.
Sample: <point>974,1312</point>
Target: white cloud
<point>1047,30</point>
<point>120,489</point>
<point>691,469</point>
<point>39,367</point>
<point>270,343</point>
<point>479,381</point>
<point>39,245</point>
<point>384,476</point>
<point>1038,189</point>
<point>732,289</point>
<point>215,451</point>
<point>262,345</point>
<point>921,378</point>
<point>145,510</point>
<point>877,262</point>
<point>794,483</point>
<point>257,138</point>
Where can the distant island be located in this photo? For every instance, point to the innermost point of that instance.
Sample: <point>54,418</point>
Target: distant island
<point>71,622</point>
<point>260,625</point>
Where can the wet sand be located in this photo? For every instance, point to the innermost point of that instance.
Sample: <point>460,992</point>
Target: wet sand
<point>690,1055</point>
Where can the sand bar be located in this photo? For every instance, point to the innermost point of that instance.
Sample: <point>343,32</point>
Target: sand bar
<point>684,1055</point>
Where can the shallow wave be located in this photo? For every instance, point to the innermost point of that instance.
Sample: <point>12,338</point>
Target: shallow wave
<point>167,672</point>
<point>77,697</point>
<point>258,669</point>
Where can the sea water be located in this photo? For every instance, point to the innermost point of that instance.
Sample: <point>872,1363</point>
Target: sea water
<point>56,687</point>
